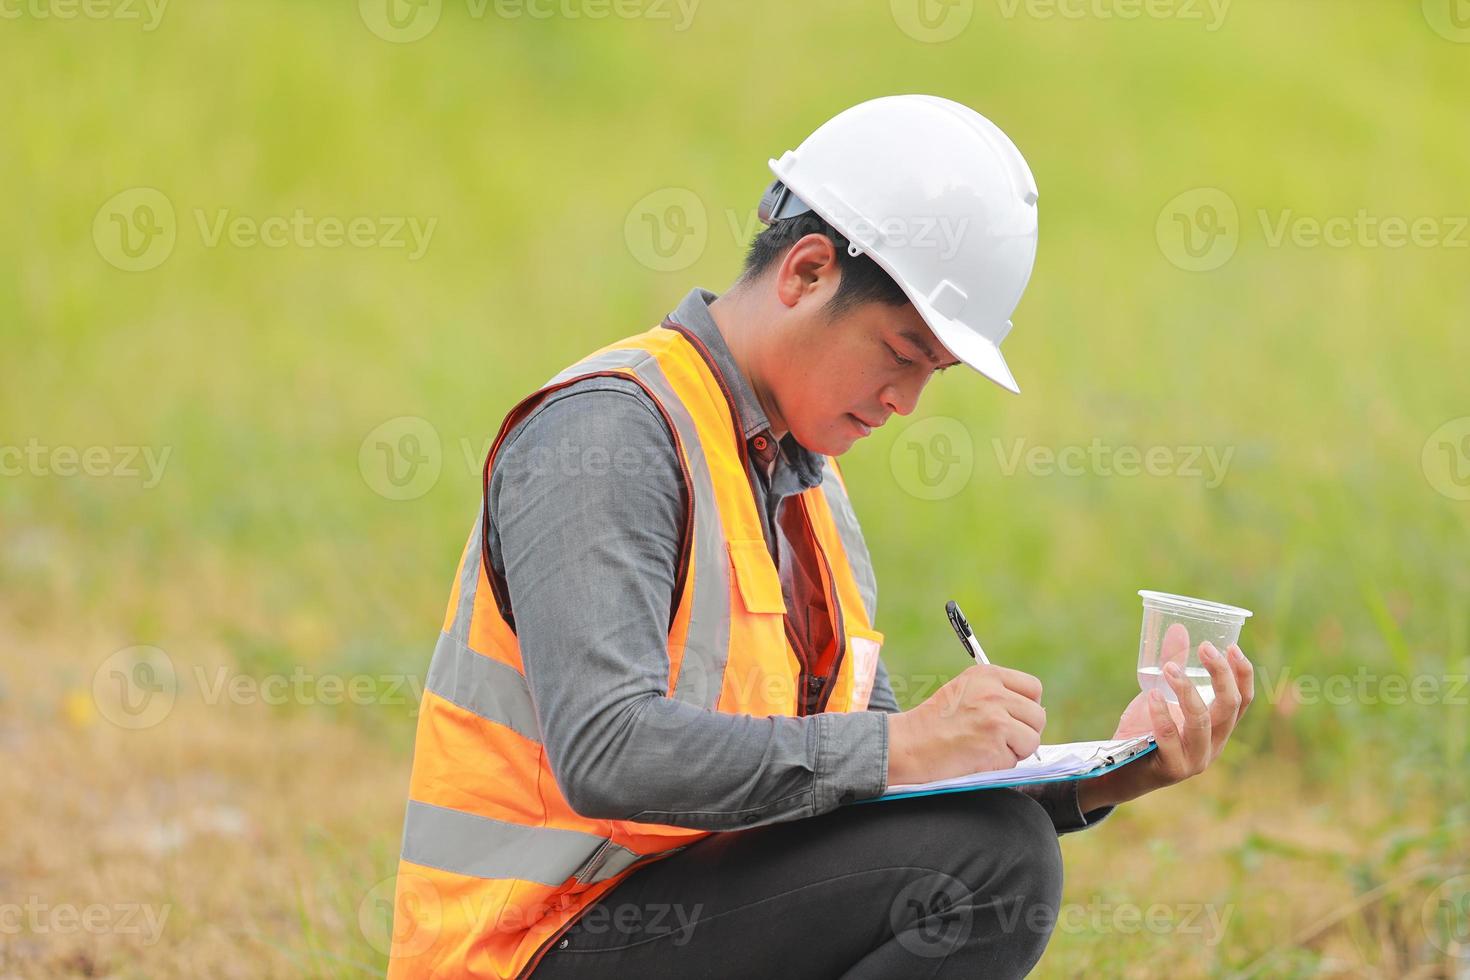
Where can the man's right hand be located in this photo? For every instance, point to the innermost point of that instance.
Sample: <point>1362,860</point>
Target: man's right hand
<point>986,718</point>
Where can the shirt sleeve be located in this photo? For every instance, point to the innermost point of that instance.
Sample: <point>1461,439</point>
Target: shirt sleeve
<point>586,517</point>
<point>1059,800</point>
<point>882,698</point>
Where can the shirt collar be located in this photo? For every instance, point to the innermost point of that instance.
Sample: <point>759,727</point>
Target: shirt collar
<point>693,315</point>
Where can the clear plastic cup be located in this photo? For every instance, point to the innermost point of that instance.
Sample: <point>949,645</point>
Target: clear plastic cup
<point>1174,628</point>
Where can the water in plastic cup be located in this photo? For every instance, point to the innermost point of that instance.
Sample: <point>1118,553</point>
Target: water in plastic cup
<point>1174,627</point>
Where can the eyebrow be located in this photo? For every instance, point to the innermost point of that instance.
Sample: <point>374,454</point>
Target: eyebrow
<point>913,336</point>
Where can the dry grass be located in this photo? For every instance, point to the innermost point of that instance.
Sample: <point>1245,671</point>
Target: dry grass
<point>259,838</point>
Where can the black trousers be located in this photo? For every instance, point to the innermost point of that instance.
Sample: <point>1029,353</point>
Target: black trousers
<point>956,885</point>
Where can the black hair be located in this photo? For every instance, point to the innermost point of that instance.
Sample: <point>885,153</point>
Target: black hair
<point>861,280</point>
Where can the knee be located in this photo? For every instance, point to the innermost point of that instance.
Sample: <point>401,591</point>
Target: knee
<point>1029,882</point>
<point>1030,838</point>
<point>1000,843</point>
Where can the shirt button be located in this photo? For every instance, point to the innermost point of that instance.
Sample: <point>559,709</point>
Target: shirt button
<point>760,443</point>
<point>748,818</point>
<point>563,944</point>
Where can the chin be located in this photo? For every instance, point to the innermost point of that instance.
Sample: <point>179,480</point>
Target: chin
<point>828,442</point>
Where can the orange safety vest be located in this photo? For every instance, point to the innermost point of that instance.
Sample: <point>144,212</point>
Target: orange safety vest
<point>495,864</point>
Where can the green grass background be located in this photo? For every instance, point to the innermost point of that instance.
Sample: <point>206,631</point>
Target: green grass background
<point>1325,369</point>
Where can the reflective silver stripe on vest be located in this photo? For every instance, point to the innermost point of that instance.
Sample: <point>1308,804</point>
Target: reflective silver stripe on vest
<point>469,580</point>
<point>483,686</point>
<point>479,684</point>
<point>707,643</point>
<point>852,540</point>
<point>469,844</point>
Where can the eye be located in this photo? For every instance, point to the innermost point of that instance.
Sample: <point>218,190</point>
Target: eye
<point>898,358</point>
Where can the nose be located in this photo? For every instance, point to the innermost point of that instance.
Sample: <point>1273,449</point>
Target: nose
<point>902,398</point>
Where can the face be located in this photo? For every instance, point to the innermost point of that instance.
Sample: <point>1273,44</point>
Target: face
<point>846,376</point>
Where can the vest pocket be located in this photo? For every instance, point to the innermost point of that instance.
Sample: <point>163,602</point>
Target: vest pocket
<point>863,648</point>
<point>756,577</point>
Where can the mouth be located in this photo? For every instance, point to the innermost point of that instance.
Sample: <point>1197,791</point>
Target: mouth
<point>863,428</point>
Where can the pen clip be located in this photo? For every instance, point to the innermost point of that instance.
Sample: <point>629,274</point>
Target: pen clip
<point>957,620</point>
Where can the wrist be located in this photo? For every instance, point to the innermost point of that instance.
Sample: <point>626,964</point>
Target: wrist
<point>902,767</point>
<point>1093,794</point>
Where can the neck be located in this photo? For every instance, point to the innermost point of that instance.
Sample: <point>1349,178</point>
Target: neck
<point>747,332</point>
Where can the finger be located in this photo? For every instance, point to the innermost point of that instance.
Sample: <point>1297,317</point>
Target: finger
<point>1196,730</point>
<point>1245,678</point>
<point>1024,684</point>
<point>1026,711</point>
<point>1225,707</point>
<point>1175,646</point>
<point>1168,739</point>
<point>1022,739</point>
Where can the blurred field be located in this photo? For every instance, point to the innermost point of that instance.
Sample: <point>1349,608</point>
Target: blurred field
<point>1328,840</point>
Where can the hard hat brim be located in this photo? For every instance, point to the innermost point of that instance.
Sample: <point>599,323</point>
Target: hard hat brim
<point>970,347</point>
<point>974,350</point>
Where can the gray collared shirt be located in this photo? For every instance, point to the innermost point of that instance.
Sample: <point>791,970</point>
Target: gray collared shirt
<point>589,553</point>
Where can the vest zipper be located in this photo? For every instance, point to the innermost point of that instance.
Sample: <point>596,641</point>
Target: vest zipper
<point>834,604</point>
<point>536,957</point>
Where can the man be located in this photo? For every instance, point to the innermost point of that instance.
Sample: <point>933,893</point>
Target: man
<point>659,684</point>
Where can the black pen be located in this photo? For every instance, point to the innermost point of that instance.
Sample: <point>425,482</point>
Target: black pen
<point>962,630</point>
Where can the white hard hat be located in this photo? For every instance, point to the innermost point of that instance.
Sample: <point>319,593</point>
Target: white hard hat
<point>939,197</point>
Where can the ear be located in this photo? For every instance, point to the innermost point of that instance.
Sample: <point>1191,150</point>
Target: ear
<point>809,272</point>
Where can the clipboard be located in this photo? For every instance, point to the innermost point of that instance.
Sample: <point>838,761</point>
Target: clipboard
<point>1044,767</point>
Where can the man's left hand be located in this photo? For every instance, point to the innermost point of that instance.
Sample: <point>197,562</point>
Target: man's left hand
<point>1190,735</point>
